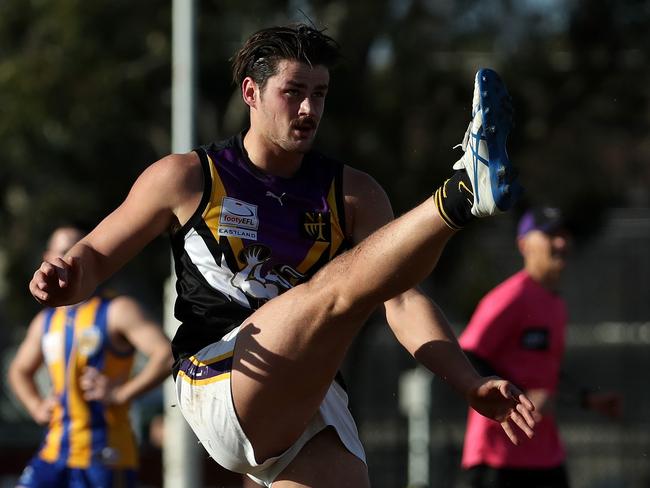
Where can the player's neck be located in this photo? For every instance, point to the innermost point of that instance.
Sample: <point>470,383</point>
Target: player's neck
<point>270,158</point>
<point>548,280</point>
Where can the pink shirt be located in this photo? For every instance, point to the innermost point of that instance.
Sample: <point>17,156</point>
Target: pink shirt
<point>519,329</point>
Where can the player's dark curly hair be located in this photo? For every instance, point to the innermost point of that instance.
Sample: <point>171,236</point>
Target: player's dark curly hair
<point>261,53</point>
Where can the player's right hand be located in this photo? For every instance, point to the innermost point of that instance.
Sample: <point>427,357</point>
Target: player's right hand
<point>43,411</point>
<point>502,401</point>
<point>52,283</point>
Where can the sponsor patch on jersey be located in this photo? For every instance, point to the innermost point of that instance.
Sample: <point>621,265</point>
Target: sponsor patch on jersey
<point>316,226</point>
<point>52,343</point>
<point>89,341</point>
<point>535,339</point>
<point>238,219</point>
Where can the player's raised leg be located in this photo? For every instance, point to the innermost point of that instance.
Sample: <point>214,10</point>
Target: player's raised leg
<point>289,350</point>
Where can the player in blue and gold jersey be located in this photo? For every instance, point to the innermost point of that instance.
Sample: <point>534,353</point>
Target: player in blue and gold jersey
<point>269,298</point>
<point>88,350</point>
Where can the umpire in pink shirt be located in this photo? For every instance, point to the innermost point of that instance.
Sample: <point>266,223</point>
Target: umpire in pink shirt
<point>518,332</point>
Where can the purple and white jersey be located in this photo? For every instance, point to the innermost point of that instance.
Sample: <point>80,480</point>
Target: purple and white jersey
<point>253,237</point>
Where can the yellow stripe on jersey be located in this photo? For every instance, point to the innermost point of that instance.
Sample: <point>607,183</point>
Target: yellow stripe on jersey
<point>212,213</point>
<point>206,381</point>
<point>315,252</point>
<point>52,444</point>
<point>207,362</point>
<point>80,421</point>
<point>337,234</point>
<point>56,369</point>
<point>120,435</point>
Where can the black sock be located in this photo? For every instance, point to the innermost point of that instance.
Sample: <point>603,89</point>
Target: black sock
<point>454,200</point>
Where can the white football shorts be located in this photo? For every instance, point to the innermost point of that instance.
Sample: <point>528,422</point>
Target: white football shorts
<point>205,399</point>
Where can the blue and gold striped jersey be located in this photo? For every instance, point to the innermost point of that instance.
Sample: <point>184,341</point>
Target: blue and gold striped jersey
<point>253,237</point>
<point>80,431</point>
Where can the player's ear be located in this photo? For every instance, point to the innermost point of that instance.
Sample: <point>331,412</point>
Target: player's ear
<point>250,91</point>
<point>521,245</point>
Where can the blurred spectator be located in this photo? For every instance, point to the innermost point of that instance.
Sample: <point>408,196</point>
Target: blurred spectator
<point>518,332</point>
<point>89,351</point>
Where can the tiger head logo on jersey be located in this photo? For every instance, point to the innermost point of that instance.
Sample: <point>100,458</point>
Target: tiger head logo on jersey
<point>262,284</point>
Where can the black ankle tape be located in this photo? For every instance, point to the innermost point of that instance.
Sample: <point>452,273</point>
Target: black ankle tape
<point>454,200</point>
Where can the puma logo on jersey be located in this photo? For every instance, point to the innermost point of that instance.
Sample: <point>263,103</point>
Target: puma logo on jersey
<point>278,198</point>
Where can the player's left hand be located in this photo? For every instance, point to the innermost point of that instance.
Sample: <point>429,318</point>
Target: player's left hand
<point>502,401</point>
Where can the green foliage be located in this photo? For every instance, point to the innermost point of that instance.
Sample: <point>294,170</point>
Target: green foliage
<point>85,97</point>
<point>84,90</point>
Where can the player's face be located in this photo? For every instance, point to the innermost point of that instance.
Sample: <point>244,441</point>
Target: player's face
<point>547,252</point>
<point>291,105</point>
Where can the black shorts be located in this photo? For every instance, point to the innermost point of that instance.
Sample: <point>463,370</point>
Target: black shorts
<point>483,476</point>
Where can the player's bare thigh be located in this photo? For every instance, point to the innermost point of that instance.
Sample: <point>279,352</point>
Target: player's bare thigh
<point>286,356</point>
<point>324,463</point>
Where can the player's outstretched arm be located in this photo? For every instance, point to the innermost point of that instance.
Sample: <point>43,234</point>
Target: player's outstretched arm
<point>421,327</point>
<point>164,195</point>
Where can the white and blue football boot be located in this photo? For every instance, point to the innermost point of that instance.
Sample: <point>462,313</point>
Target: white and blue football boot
<point>485,158</point>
